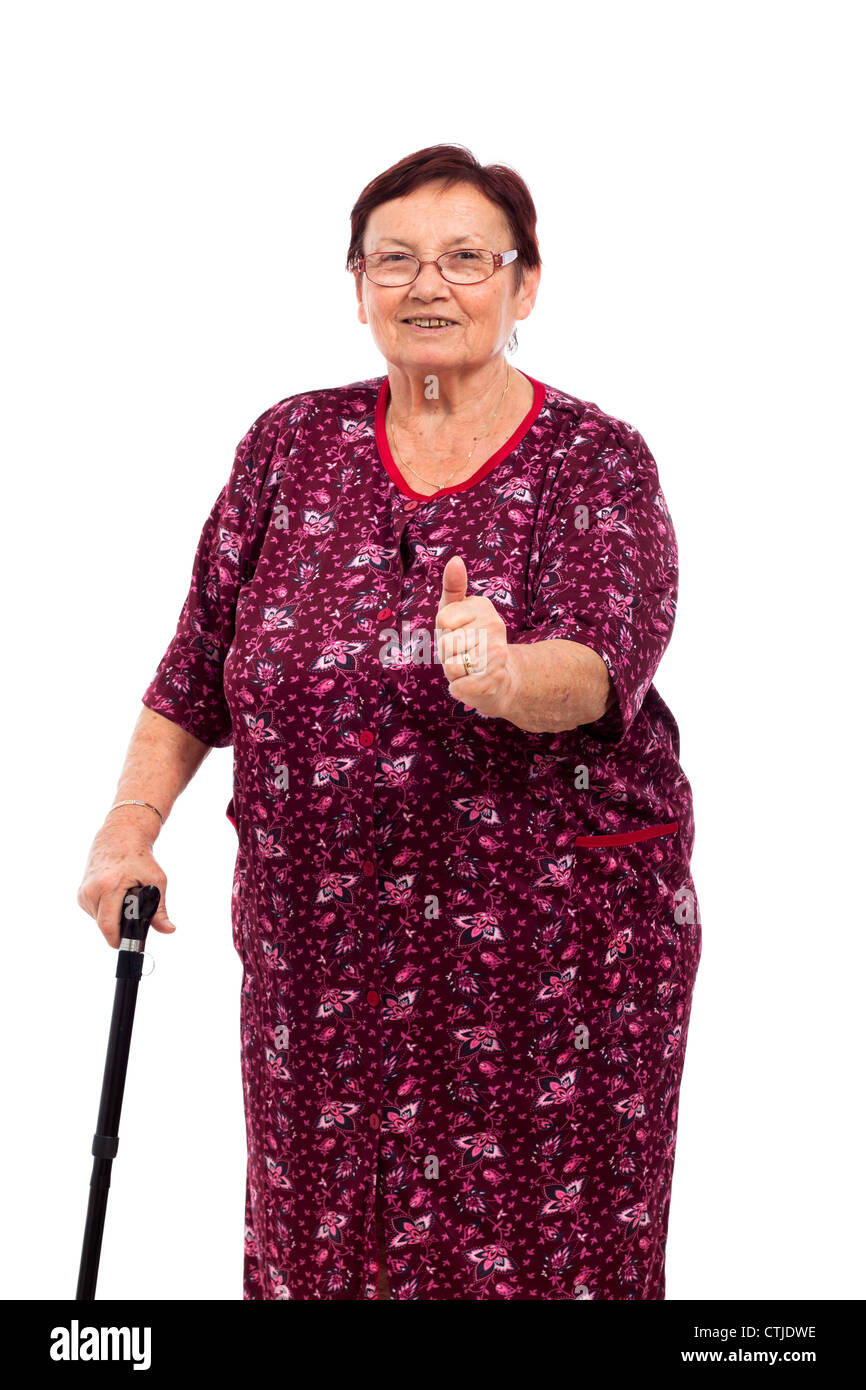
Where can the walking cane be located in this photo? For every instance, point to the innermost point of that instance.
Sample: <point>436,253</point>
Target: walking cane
<point>139,908</point>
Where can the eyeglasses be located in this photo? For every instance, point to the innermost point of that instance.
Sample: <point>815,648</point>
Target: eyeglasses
<point>466,267</point>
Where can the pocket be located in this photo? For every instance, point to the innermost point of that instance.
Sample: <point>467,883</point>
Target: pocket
<point>239,932</point>
<point>238,907</point>
<point>628,837</point>
<point>637,959</point>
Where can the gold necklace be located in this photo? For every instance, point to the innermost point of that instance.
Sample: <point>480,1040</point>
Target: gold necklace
<point>429,481</point>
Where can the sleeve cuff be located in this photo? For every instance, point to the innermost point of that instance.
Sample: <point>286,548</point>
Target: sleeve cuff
<point>196,722</point>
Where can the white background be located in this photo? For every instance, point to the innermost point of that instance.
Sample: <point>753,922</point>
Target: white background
<point>695,169</point>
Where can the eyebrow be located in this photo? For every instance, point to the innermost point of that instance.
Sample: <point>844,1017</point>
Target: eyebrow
<point>458,241</point>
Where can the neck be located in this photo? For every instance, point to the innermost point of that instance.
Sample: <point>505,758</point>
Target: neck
<point>443,478</point>
<point>452,400</point>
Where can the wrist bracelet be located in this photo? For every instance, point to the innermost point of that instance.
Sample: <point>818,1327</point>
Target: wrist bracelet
<point>137,803</point>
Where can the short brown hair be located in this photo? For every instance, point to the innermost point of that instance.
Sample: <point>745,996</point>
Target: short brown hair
<point>454,164</point>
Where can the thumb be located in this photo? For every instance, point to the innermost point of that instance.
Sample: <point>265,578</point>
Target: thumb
<point>454,581</point>
<point>161,920</point>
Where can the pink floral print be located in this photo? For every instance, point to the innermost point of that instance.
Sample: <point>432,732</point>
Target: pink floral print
<point>468,951</point>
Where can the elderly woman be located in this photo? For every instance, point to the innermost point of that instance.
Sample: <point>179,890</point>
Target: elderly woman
<point>426,609</point>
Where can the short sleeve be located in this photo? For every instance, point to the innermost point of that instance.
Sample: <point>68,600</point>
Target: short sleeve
<point>607,571</point>
<point>187,686</point>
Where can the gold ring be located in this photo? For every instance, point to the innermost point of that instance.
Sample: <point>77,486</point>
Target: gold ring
<point>467,665</point>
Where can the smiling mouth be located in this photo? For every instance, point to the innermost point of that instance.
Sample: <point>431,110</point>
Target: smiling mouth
<point>429,325</point>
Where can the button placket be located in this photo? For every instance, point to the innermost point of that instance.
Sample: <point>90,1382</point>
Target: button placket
<point>369,738</point>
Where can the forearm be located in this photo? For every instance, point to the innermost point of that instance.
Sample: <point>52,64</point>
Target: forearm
<point>161,759</point>
<point>558,684</point>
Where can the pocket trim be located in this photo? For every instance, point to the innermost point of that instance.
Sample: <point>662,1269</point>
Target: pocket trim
<point>629,837</point>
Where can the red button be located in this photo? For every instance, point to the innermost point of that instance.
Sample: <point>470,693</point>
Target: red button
<point>374,1121</point>
<point>365,737</point>
<point>372,996</point>
<point>410,504</point>
<point>385,613</point>
<point>368,867</point>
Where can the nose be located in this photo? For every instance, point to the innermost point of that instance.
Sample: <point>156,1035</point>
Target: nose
<point>429,283</point>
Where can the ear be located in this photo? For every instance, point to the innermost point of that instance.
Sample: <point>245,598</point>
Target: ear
<point>359,295</point>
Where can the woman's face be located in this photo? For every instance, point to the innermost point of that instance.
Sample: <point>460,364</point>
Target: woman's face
<point>426,223</point>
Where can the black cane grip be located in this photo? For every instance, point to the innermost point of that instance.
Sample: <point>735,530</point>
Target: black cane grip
<point>138,910</point>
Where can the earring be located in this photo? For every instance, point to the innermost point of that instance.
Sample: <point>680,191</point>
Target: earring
<point>511,345</point>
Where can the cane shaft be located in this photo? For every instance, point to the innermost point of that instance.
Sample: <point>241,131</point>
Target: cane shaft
<point>106,1138</point>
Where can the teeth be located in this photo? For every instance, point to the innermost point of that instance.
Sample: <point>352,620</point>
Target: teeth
<point>432,323</point>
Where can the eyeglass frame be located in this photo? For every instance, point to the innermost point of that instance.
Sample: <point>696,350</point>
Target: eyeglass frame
<point>500,258</point>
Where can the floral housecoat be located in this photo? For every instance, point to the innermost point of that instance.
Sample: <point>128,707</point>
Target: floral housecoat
<point>468,951</point>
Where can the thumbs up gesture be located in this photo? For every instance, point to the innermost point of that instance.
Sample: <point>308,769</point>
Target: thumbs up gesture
<point>472,644</point>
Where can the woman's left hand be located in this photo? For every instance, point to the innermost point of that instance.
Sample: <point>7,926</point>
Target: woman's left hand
<point>473,624</point>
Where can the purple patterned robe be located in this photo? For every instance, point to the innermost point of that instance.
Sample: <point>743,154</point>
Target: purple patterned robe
<point>468,951</point>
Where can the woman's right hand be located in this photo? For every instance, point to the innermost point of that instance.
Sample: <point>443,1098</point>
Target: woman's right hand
<point>121,857</point>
